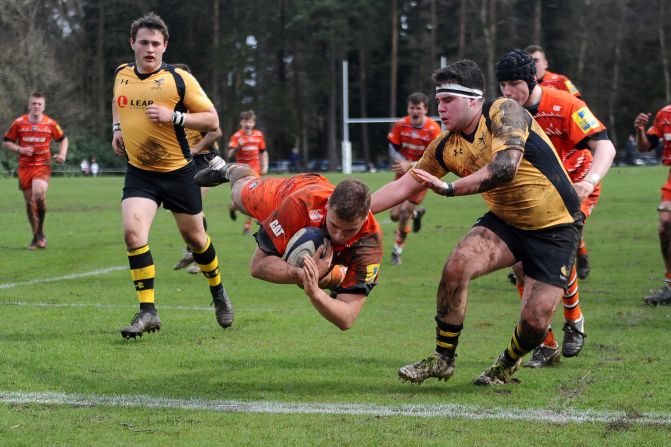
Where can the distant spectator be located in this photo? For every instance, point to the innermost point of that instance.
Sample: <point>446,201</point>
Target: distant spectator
<point>295,162</point>
<point>85,167</point>
<point>630,150</point>
<point>95,167</point>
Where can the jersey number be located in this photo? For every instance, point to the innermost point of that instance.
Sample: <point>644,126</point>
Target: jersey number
<point>276,228</point>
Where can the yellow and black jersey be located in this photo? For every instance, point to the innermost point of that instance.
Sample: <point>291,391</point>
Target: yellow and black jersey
<point>540,196</point>
<point>151,146</point>
<point>195,136</point>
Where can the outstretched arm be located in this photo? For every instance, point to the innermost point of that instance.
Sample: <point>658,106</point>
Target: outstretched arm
<point>500,170</point>
<point>394,193</point>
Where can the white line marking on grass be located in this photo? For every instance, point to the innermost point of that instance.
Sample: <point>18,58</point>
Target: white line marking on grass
<point>416,410</point>
<point>97,305</point>
<point>64,277</point>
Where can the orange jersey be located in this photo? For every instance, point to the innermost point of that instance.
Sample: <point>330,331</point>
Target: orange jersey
<point>35,135</point>
<point>285,205</point>
<point>661,128</point>
<point>249,148</point>
<point>566,120</point>
<point>412,140</point>
<point>560,82</point>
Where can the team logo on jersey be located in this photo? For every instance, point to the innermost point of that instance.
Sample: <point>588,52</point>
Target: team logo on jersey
<point>158,83</point>
<point>371,272</point>
<point>316,215</point>
<point>276,228</point>
<point>571,88</point>
<point>556,108</point>
<point>253,185</point>
<point>585,120</point>
<point>122,101</point>
<point>667,136</point>
<point>123,82</point>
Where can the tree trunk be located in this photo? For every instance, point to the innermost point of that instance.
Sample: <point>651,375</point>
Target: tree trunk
<point>214,63</point>
<point>537,22</point>
<point>393,88</point>
<point>363,103</point>
<point>488,17</point>
<point>432,46</point>
<point>585,27</point>
<point>462,30</point>
<point>615,76</point>
<point>102,97</point>
<point>662,49</point>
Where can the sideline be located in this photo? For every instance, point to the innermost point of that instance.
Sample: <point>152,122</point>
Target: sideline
<point>420,410</point>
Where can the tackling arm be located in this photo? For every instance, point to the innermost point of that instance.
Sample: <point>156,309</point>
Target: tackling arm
<point>394,193</point>
<point>207,140</point>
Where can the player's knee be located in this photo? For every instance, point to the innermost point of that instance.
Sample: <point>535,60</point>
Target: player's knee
<point>664,228</point>
<point>533,330</point>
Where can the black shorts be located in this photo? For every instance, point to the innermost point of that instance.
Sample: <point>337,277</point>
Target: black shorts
<point>202,159</point>
<point>176,190</point>
<point>547,255</point>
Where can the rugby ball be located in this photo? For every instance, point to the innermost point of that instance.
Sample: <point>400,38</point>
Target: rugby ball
<point>306,241</point>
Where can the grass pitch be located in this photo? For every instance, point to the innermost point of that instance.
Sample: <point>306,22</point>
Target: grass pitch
<point>282,375</point>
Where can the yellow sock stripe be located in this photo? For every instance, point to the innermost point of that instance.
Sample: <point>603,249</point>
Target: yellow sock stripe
<point>443,333</point>
<point>143,273</point>
<point>515,344</point>
<point>513,354</point>
<point>138,251</point>
<point>209,267</point>
<point>444,345</point>
<point>145,296</point>
<point>209,241</point>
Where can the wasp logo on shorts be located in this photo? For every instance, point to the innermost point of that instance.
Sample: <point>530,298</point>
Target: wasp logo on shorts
<point>371,272</point>
<point>585,120</point>
<point>564,273</point>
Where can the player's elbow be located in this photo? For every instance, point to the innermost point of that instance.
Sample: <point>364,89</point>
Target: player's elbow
<point>345,324</point>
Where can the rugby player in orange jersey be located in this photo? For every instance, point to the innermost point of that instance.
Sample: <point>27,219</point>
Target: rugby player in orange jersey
<point>645,141</point>
<point>348,265</point>
<point>248,146</point>
<point>547,78</point>
<point>573,131</point>
<point>408,140</point>
<point>30,136</point>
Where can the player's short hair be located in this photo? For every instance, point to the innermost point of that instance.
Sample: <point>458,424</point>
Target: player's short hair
<point>247,115</point>
<point>150,21</point>
<point>418,98</point>
<point>534,48</point>
<point>464,72</point>
<point>36,95</point>
<point>350,200</point>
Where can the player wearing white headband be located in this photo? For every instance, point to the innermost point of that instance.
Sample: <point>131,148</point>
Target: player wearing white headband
<point>499,151</point>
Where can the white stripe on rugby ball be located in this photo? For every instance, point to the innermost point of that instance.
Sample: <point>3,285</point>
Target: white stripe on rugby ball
<point>305,241</point>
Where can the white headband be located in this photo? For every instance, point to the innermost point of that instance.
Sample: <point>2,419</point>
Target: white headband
<point>459,90</point>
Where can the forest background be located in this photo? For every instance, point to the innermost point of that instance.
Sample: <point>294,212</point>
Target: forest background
<point>283,59</point>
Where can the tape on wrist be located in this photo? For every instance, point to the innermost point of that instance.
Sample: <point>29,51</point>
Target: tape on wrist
<point>592,178</point>
<point>178,118</point>
<point>448,189</point>
<point>116,127</point>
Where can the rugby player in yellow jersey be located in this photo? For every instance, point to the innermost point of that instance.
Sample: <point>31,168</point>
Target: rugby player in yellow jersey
<point>499,151</point>
<point>154,103</point>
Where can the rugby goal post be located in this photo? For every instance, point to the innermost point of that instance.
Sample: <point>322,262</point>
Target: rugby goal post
<point>346,144</point>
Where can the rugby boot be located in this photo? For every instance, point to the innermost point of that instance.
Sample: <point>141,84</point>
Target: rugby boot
<point>41,241</point>
<point>33,244</point>
<point>499,373</point>
<point>396,258</point>
<point>574,337</point>
<point>417,219</point>
<point>187,259</point>
<point>582,266</point>
<point>215,174</point>
<point>436,365</point>
<point>142,322</point>
<point>192,268</point>
<point>543,356</point>
<point>231,212</point>
<point>512,279</point>
<point>662,296</point>
<point>223,309</point>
